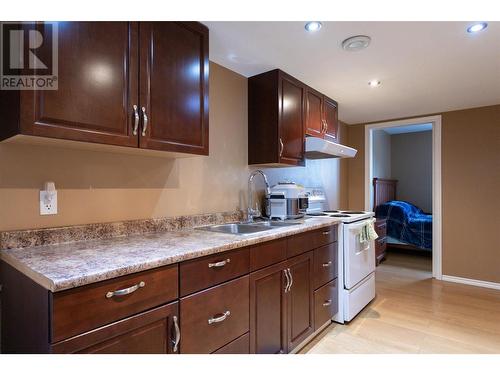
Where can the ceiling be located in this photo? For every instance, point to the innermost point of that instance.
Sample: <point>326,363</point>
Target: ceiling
<point>424,67</point>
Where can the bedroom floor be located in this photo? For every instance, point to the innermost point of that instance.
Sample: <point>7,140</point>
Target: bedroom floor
<point>414,313</point>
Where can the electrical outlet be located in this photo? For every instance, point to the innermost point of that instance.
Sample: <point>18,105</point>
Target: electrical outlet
<point>48,202</point>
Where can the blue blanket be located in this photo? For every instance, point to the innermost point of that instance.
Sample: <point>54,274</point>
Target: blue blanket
<point>407,223</point>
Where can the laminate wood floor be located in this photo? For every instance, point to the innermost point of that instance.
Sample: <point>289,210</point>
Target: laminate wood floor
<point>414,313</point>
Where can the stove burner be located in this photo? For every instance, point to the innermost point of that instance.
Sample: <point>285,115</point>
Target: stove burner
<point>331,211</point>
<point>316,214</point>
<point>352,212</point>
<point>339,215</point>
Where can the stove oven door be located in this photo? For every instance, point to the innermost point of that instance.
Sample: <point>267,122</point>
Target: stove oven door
<point>359,258</point>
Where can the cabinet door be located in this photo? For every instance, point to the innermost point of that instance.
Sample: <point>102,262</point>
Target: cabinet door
<point>291,124</point>
<point>300,299</point>
<point>152,332</point>
<point>268,310</point>
<point>97,86</point>
<point>314,113</point>
<point>174,86</point>
<point>331,119</point>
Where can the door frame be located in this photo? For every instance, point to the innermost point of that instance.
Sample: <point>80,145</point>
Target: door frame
<point>437,271</point>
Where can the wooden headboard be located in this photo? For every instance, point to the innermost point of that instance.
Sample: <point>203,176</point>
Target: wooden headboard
<point>384,190</point>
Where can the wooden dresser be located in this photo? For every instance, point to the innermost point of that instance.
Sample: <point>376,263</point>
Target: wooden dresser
<point>381,241</point>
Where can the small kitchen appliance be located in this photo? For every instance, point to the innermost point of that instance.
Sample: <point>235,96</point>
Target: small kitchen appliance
<point>287,200</point>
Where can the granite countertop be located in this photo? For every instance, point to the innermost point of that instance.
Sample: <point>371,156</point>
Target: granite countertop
<point>64,266</point>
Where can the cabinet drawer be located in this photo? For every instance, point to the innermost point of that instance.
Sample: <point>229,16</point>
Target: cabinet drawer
<point>325,264</point>
<point>380,245</point>
<point>326,303</point>
<point>88,307</point>
<point>303,242</point>
<point>381,227</point>
<point>212,318</point>
<point>239,346</point>
<point>267,253</point>
<point>203,273</point>
<point>147,333</point>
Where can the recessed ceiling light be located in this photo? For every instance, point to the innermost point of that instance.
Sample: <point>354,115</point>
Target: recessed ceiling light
<point>356,43</point>
<point>374,83</point>
<point>313,26</point>
<point>477,27</point>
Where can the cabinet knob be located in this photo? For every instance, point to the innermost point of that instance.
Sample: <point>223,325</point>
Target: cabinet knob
<point>327,264</point>
<point>328,302</point>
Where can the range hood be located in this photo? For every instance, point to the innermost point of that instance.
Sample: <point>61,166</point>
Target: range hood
<point>317,148</point>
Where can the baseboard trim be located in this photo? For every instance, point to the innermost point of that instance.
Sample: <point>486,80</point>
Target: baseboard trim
<point>463,280</point>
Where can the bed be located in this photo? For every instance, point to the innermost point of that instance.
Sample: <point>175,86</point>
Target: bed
<point>407,225</point>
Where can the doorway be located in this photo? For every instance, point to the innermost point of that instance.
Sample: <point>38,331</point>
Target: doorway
<point>434,122</point>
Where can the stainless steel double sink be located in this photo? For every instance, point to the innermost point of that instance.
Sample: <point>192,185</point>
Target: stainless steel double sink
<point>243,229</point>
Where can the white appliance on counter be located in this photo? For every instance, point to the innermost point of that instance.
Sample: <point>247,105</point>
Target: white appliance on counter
<point>356,260</point>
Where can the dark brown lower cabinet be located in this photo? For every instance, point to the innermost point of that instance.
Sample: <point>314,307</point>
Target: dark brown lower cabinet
<point>214,317</point>
<point>152,332</point>
<point>268,310</point>
<point>326,303</point>
<point>300,300</point>
<point>281,305</point>
<point>239,346</point>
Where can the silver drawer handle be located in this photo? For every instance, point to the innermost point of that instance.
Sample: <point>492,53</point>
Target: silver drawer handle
<point>145,118</point>
<point>287,280</point>
<point>222,263</point>
<point>220,318</point>
<point>327,232</point>
<point>328,264</point>
<point>281,147</point>
<point>177,338</point>
<point>328,302</point>
<point>124,292</point>
<point>136,119</point>
<point>291,279</point>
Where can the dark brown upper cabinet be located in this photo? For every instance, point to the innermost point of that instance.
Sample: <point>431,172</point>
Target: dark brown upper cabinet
<point>276,119</point>
<point>321,116</point>
<point>112,88</point>
<point>282,111</point>
<point>97,86</point>
<point>315,122</point>
<point>174,86</point>
<point>331,119</point>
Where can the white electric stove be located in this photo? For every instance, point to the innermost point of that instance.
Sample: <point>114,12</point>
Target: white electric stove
<point>356,273</point>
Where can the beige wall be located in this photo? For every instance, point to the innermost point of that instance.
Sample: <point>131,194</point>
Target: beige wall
<point>97,186</point>
<point>381,154</point>
<point>356,168</point>
<point>411,165</point>
<point>470,185</point>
